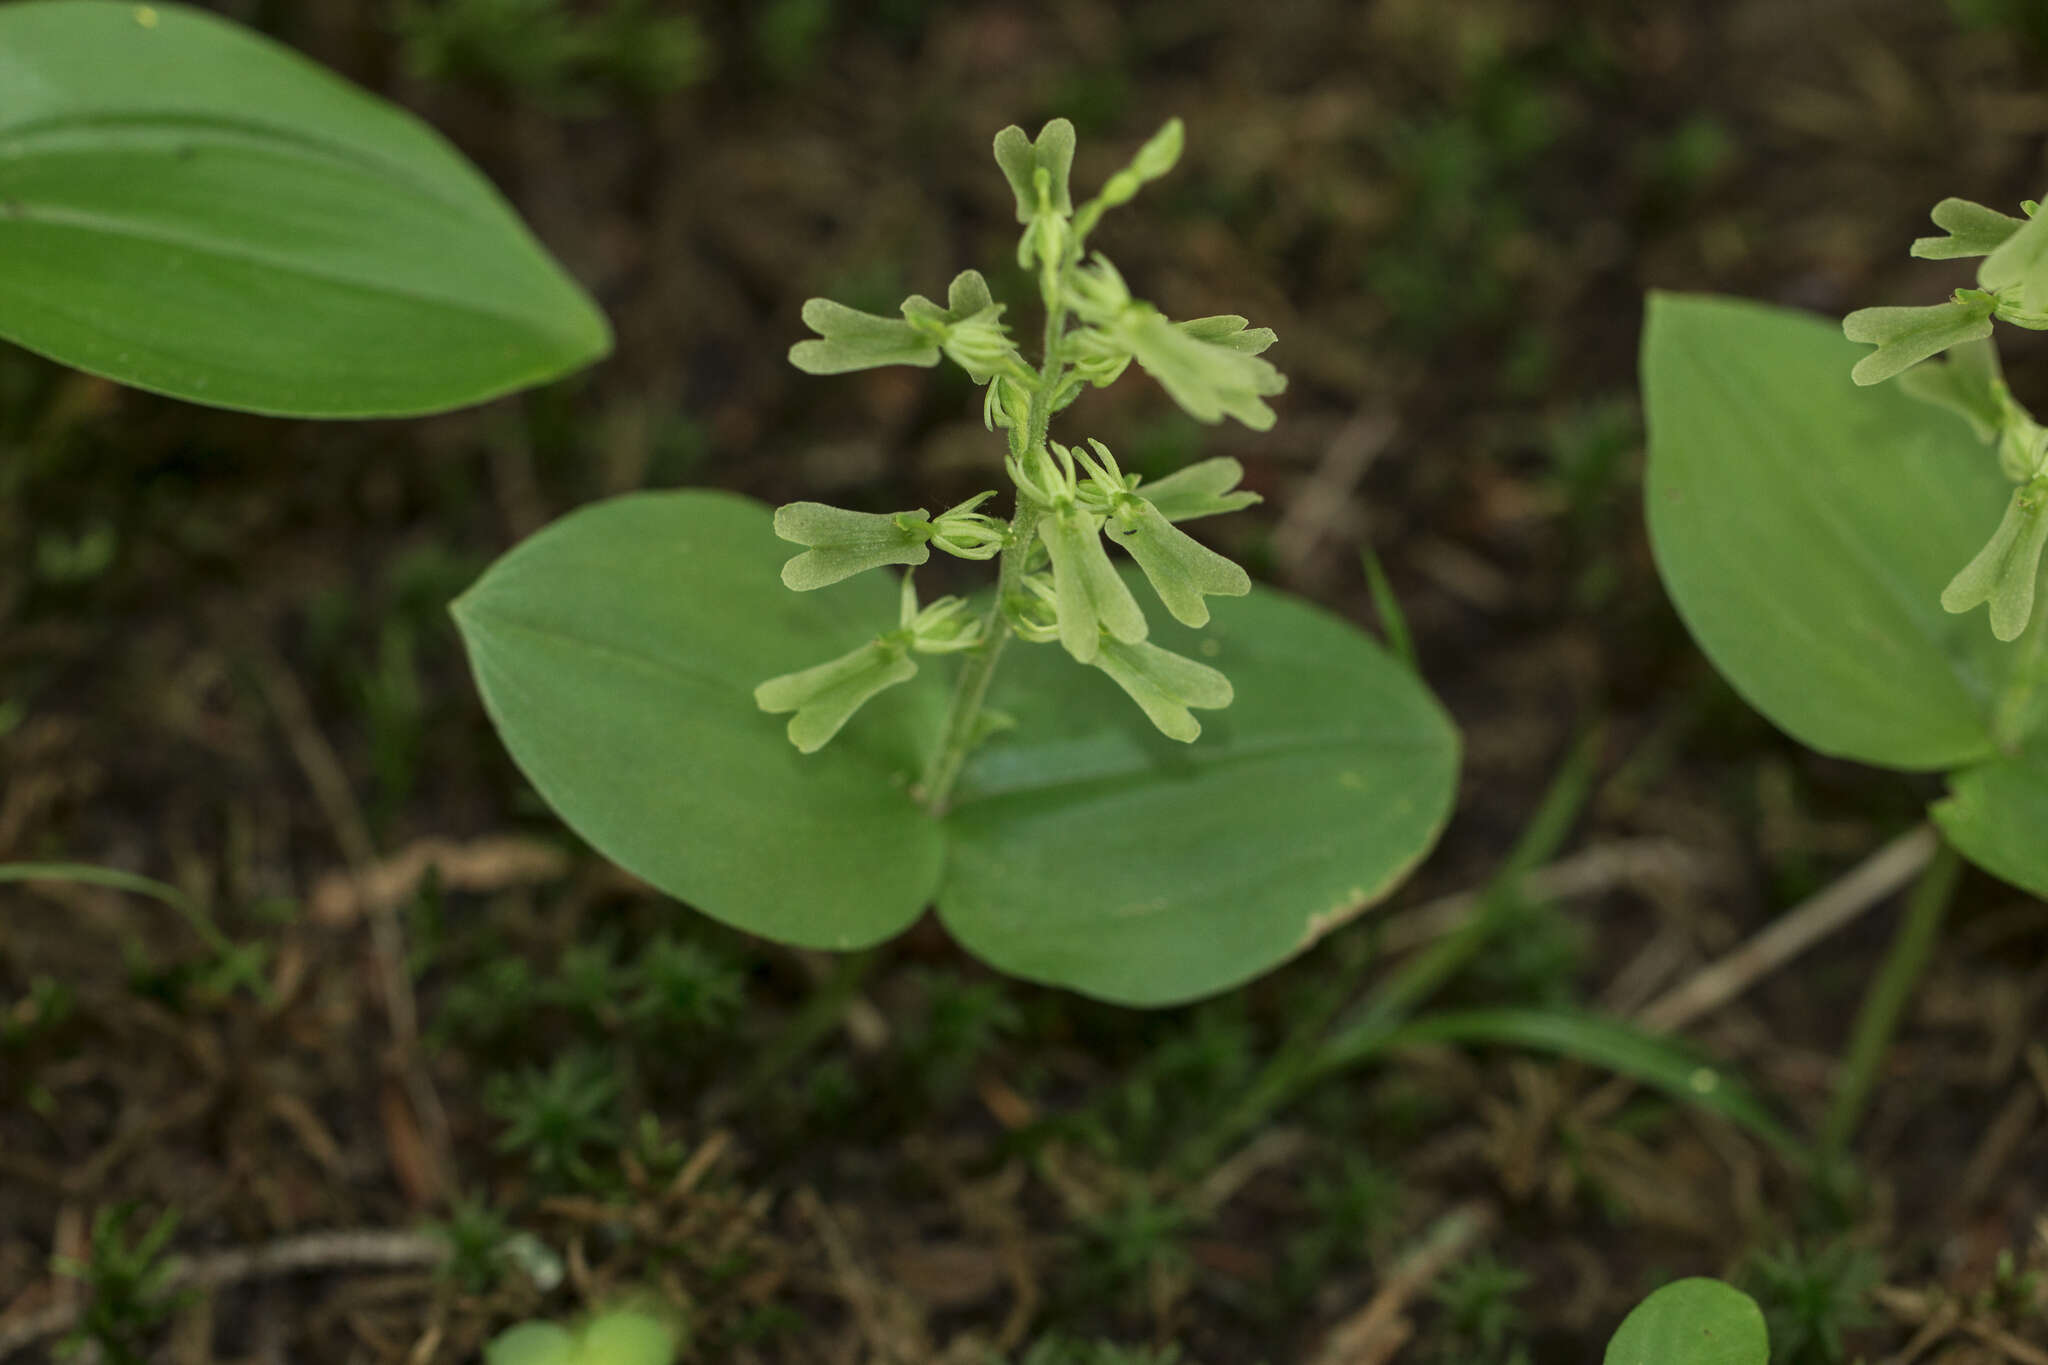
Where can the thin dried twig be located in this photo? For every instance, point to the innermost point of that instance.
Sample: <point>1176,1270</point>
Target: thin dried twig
<point>324,773</point>
<point>1793,932</point>
<point>1375,1332</point>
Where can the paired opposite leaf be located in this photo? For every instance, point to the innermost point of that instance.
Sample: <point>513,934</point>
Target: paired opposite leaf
<point>618,651</point>
<point>192,209</point>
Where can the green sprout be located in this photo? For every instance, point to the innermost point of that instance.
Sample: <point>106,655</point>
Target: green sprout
<point>553,1117</point>
<point>128,1288</point>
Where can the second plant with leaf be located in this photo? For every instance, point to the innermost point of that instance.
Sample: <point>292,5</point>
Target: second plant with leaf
<point>810,751</point>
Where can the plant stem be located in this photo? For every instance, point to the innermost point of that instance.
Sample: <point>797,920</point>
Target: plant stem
<point>2013,710</point>
<point>1885,1001</point>
<point>964,715</point>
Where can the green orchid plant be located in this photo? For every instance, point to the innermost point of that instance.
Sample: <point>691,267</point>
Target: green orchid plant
<point>1822,533</point>
<point>807,749</point>
<point>2012,286</point>
<point>1055,579</point>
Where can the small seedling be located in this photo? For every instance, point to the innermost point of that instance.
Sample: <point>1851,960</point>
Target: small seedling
<point>1811,1297</point>
<point>554,1117</point>
<point>620,1336</point>
<point>127,1286</point>
<point>1692,1322</point>
<point>685,990</point>
<point>1480,1313</point>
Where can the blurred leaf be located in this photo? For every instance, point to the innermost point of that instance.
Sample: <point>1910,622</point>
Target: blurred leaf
<point>192,209</point>
<point>1692,1322</point>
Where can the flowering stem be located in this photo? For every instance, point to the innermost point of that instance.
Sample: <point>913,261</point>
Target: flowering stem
<point>964,716</point>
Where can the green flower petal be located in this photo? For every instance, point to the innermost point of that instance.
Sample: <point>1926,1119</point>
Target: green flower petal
<point>1206,488</point>
<point>1180,568</point>
<point>1092,597</point>
<point>2006,570</point>
<point>1165,685</point>
<point>1907,336</point>
<point>825,697</point>
<point>852,340</point>
<point>845,543</point>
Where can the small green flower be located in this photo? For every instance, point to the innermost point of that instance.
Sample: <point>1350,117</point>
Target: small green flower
<point>844,543</point>
<point>1092,596</point>
<point>1972,230</point>
<point>2008,568</point>
<point>967,534</point>
<point>968,329</point>
<point>849,339</point>
<point>1206,488</point>
<point>1164,684</point>
<point>1158,156</point>
<point>1209,366</point>
<point>826,696</point>
<point>1038,171</point>
<point>1181,569</point>
<point>1907,336</point>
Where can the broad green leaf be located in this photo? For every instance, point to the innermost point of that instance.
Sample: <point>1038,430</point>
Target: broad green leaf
<point>1995,813</point>
<point>618,652</point>
<point>1805,529</point>
<point>1906,336</point>
<point>1972,229</point>
<point>1692,1322</point>
<point>532,1343</point>
<point>192,209</point>
<point>1090,851</point>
